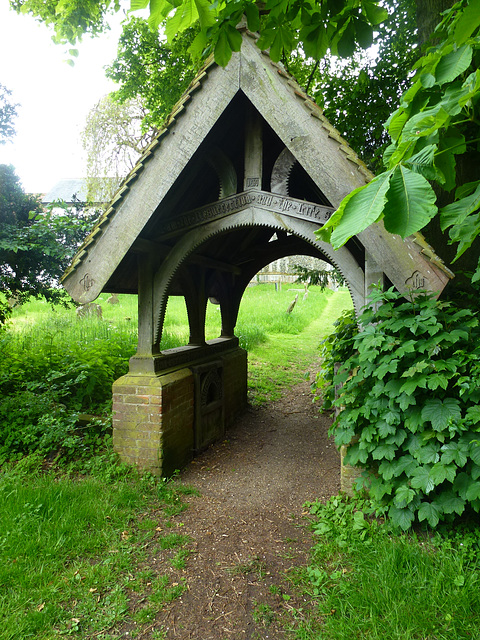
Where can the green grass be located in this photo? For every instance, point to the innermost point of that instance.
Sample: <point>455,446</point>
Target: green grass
<point>285,358</point>
<point>366,581</point>
<point>68,549</point>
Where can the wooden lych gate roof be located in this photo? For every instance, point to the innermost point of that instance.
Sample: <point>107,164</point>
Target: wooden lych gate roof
<point>244,171</point>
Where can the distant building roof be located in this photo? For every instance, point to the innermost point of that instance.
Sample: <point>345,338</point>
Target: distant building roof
<point>68,191</point>
<point>74,190</point>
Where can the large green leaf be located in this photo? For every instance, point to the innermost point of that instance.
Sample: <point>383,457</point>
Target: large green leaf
<point>206,14</point>
<point>314,40</point>
<point>453,64</point>
<point>223,50</point>
<point>402,518</point>
<point>137,5</point>
<point>457,212</point>
<point>374,13</point>
<point>359,209</point>
<point>184,17</point>
<point>159,10</point>
<point>410,202</point>
<point>468,22</point>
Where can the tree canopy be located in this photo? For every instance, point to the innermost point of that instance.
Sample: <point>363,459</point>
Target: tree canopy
<point>36,244</point>
<point>8,113</point>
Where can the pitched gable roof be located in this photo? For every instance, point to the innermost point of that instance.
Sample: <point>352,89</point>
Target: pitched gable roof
<point>296,120</point>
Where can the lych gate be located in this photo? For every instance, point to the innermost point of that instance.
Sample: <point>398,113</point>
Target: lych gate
<point>244,172</point>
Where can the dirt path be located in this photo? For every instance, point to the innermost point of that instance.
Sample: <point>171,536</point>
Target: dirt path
<point>245,522</point>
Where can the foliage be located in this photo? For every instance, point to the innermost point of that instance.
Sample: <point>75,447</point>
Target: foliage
<point>364,581</point>
<point>319,277</point>
<point>340,26</point>
<point>434,130</point>
<point>36,245</point>
<point>369,82</point>
<point>409,403</point>
<point>8,111</point>
<point>70,19</point>
<point>335,349</point>
<point>150,71</point>
<point>113,140</point>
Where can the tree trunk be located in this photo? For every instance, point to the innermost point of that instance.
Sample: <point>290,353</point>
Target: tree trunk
<point>428,16</point>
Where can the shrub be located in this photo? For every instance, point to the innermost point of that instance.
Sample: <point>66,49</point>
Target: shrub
<point>411,392</point>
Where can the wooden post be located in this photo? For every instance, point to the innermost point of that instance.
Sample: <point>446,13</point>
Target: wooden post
<point>373,274</point>
<point>143,360</point>
<point>253,152</point>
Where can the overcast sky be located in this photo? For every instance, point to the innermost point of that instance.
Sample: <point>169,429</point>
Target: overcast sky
<point>54,98</point>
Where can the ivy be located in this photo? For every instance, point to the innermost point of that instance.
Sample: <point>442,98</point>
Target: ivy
<point>410,409</point>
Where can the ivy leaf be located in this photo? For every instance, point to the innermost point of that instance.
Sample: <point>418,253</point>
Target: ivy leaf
<point>473,491</point>
<point>421,479</point>
<point>465,486</point>
<point>385,429</point>
<point>386,367</point>
<point>436,380</point>
<point>410,202</point>
<point>454,452</point>
<point>406,464</point>
<point>401,518</point>
<point>403,496</point>
<point>440,413</point>
<point>430,512</point>
<point>450,502</point>
<point>441,472</point>
<point>475,452</point>
<point>427,453</point>
<point>412,384</point>
<point>384,451</point>
<point>473,414</point>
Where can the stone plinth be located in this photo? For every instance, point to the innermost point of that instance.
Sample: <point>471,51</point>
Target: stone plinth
<point>157,416</point>
<point>153,420</point>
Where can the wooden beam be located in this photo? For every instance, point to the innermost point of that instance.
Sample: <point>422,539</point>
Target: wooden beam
<point>143,246</point>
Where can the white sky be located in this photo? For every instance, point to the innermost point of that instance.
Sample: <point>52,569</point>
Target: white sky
<point>55,98</point>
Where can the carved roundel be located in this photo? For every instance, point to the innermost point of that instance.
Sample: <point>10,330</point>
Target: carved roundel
<point>211,388</point>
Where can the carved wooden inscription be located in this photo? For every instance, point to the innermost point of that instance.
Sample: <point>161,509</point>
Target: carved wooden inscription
<point>261,199</point>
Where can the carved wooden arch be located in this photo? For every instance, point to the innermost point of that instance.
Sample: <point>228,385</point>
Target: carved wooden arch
<point>251,216</point>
